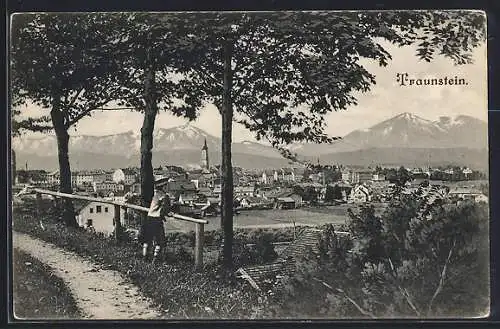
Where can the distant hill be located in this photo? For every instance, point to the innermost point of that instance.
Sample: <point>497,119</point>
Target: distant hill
<point>409,131</point>
<point>83,160</point>
<point>403,139</point>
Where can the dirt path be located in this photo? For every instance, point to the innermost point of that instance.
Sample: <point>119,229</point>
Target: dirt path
<point>99,293</point>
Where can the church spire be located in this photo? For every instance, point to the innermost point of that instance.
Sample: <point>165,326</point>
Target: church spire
<point>205,164</point>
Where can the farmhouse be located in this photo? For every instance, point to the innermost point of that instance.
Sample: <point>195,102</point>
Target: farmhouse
<point>100,215</point>
<point>253,202</point>
<point>284,203</point>
<point>287,200</point>
<point>360,194</point>
<point>468,194</point>
<point>206,191</point>
<point>187,198</point>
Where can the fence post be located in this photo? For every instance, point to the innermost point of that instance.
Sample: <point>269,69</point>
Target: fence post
<point>39,208</point>
<point>198,248</point>
<point>38,204</point>
<point>118,223</point>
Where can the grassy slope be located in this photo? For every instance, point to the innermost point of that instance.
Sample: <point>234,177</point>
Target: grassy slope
<point>37,293</point>
<point>177,288</point>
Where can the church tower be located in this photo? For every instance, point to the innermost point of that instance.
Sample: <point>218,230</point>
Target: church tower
<point>205,164</point>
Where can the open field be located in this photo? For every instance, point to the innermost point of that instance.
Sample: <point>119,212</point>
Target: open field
<point>273,218</point>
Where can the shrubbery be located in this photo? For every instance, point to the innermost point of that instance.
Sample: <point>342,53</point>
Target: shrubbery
<point>261,251</point>
<point>423,257</point>
<point>246,236</point>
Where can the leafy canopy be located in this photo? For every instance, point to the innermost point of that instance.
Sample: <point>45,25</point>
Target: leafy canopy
<point>290,69</point>
<point>63,62</point>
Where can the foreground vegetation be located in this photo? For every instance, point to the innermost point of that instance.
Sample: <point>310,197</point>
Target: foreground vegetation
<point>174,286</point>
<point>423,256</point>
<point>37,293</point>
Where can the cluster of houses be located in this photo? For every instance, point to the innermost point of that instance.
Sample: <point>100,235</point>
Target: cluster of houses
<point>198,191</point>
<point>119,181</point>
<point>253,189</point>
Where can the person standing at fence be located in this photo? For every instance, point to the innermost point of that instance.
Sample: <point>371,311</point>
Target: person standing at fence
<point>153,230</point>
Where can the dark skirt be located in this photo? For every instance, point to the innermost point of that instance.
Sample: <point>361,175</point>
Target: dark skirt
<point>152,230</point>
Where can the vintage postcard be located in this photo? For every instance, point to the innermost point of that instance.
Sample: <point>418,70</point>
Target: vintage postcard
<point>249,165</point>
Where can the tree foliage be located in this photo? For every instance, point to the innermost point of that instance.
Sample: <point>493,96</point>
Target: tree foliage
<point>64,64</point>
<point>399,177</point>
<point>149,45</point>
<point>279,74</point>
<point>333,192</point>
<point>415,260</point>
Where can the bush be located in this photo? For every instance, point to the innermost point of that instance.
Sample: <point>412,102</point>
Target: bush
<point>260,252</point>
<point>246,236</point>
<point>417,259</point>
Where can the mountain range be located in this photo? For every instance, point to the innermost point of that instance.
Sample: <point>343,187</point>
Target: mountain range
<point>405,139</point>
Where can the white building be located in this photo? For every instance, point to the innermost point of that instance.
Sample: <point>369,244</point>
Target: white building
<point>269,176</point>
<point>287,175</point>
<point>84,178</point>
<point>100,215</point>
<point>108,186</point>
<point>53,178</point>
<point>468,194</point>
<point>467,172</point>
<point>378,177</point>
<point>360,194</point>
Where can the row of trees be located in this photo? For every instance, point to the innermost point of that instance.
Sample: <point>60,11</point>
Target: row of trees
<point>278,74</point>
<point>440,173</point>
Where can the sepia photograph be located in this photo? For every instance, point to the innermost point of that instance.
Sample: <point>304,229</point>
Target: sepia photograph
<point>274,165</point>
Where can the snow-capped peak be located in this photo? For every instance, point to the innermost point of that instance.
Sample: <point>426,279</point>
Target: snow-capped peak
<point>406,115</point>
<point>189,130</point>
<point>414,119</point>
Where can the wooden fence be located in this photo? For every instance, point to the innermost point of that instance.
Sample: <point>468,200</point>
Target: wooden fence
<point>199,229</point>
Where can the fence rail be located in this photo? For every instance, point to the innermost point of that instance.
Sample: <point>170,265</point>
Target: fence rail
<point>199,229</point>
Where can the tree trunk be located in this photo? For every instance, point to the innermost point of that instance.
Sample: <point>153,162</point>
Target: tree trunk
<point>226,166</point>
<point>150,111</point>
<point>62,136</point>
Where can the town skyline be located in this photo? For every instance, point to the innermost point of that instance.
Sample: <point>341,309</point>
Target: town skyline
<point>374,106</point>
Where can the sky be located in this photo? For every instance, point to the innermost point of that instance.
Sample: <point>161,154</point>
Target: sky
<point>385,99</point>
